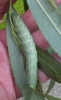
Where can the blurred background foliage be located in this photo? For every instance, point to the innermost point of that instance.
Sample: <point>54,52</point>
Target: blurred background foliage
<point>19,8</point>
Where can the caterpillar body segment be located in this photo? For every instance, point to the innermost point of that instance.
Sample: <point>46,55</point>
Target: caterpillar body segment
<point>28,48</point>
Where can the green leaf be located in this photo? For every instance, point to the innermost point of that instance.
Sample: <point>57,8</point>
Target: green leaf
<point>48,19</point>
<point>52,83</point>
<point>50,50</point>
<point>16,61</point>
<point>36,96</point>
<point>25,5</point>
<point>49,65</point>
<point>39,86</point>
<point>51,97</point>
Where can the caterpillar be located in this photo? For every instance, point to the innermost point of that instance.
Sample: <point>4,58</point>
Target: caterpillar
<point>29,49</point>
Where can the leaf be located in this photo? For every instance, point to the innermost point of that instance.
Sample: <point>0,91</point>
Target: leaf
<point>39,86</point>
<point>52,83</point>
<point>25,5</point>
<point>16,61</point>
<point>36,96</point>
<point>50,50</point>
<point>49,65</point>
<point>54,4</point>
<point>51,97</point>
<point>48,19</point>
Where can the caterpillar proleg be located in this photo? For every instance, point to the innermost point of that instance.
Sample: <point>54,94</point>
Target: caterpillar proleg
<point>28,48</point>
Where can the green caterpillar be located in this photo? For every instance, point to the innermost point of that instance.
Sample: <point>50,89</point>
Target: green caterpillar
<point>28,48</point>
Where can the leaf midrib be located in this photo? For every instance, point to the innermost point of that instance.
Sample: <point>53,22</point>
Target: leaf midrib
<point>48,16</point>
<point>49,66</point>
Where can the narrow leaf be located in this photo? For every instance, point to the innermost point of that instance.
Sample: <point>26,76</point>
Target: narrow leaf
<point>51,85</point>
<point>48,19</point>
<point>39,86</point>
<point>49,65</point>
<point>51,97</point>
<point>16,61</point>
<point>50,50</point>
<point>36,96</point>
<point>54,4</point>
